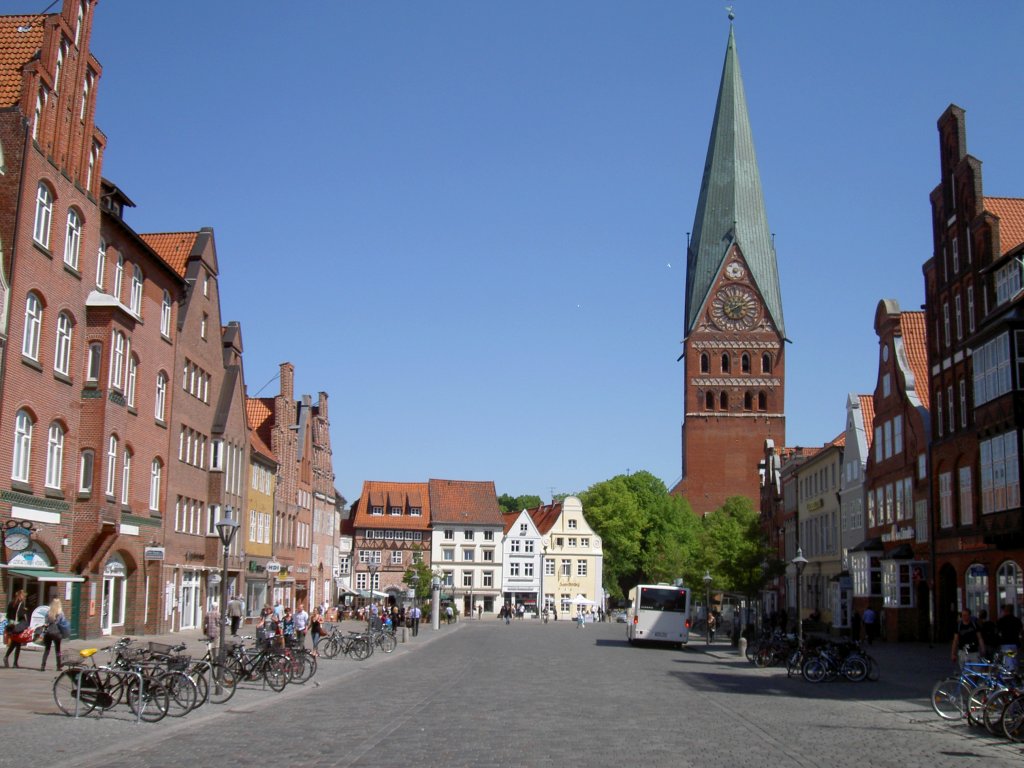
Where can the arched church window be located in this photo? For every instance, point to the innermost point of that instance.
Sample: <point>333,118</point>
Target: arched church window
<point>748,401</point>
<point>726,364</point>
<point>766,363</point>
<point>705,363</point>
<point>709,401</point>
<point>723,401</point>
<point>762,401</point>
<point>745,363</point>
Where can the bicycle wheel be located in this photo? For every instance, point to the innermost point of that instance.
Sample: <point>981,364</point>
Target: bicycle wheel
<point>182,693</point>
<point>296,666</point>
<point>199,676</point>
<point>222,684</point>
<point>1013,718</point>
<point>949,698</point>
<point>873,671</point>
<point>275,673</point>
<point>992,714</point>
<point>76,690</point>
<point>387,642</point>
<point>150,701</point>
<point>308,667</point>
<point>976,701</point>
<point>794,663</point>
<point>814,670</point>
<point>361,648</point>
<point>329,648</point>
<point>855,669</point>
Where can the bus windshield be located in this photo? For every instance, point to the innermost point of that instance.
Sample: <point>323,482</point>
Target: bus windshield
<point>663,599</point>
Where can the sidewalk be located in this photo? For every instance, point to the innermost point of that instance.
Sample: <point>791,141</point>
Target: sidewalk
<point>27,691</point>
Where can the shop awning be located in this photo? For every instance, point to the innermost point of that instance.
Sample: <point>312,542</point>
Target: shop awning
<point>869,545</point>
<point>40,574</point>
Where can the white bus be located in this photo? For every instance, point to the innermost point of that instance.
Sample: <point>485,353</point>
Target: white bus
<point>658,613</point>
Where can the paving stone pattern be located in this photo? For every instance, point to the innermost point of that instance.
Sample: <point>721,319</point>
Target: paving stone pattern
<point>528,694</point>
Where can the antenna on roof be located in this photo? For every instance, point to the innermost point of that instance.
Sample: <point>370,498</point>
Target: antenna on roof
<point>28,24</point>
<point>272,378</point>
<point>732,15</point>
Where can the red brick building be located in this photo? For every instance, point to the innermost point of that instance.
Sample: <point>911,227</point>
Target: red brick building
<point>734,379</point>
<point>973,300</point>
<point>49,235</point>
<point>896,477</point>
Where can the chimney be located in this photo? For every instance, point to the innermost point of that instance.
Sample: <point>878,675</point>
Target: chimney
<point>287,381</point>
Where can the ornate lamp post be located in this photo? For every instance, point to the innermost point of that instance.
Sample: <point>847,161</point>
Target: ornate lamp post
<point>707,607</point>
<point>799,562</point>
<point>226,530</point>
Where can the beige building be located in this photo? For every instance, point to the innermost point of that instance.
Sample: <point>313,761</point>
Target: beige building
<point>572,555</point>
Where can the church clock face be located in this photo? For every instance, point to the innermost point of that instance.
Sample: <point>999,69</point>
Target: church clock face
<point>735,308</point>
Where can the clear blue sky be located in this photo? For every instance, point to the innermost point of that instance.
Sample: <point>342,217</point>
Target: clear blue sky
<point>472,206</point>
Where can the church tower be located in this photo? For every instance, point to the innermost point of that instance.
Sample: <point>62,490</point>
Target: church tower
<point>733,341</point>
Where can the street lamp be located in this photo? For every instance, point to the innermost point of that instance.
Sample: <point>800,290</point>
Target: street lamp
<point>799,561</point>
<point>707,608</point>
<point>226,530</point>
<point>369,613</point>
<point>542,603</point>
<point>435,605</point>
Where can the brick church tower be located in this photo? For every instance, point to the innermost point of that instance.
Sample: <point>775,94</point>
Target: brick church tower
<point>733,342</point>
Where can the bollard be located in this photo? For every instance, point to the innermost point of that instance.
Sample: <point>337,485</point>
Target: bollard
<point>743,646</point>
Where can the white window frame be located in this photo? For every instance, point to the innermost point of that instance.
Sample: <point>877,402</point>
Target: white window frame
<point>43,216</point>
<point>165,315</point>
<point>135,297</point>
<point>101,265</point>
<point>111,465</point>
<point>86,469</point>
<point>73,239</point>
<point>126,476</point>
<point>155,472</point>
<point>21,463</point>
<point>130,380</point>
<point>62,348</point>
<point>160,404</point>
<point>54,456</point>
<point>117,353</point>
<point>33,326</point>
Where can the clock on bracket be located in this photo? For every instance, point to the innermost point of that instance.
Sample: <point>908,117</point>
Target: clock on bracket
<point>735,308</point>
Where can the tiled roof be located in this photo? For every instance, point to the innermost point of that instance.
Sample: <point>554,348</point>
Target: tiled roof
<point>840,440</point>
<point>257,444</point>
<point>16,49</point>
<point>544,517</point>
<point>509,519</point>
<point>1010,211</point>
<point>377,493</point>
<point>172,247</point>
<point>464,501</point>
<point>867,412</point>
<point>259,411</point>
<point>915,342</point>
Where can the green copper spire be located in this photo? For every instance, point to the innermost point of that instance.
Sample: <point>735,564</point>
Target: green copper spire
<point>731,205</point>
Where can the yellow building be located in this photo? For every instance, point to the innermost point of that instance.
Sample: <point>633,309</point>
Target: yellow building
<point>259,525</point>
<point>573,558</point>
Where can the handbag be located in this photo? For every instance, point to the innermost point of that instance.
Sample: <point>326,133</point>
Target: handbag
<point>23,637</point>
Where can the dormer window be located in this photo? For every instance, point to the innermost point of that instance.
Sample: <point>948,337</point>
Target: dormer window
<point>395,511</point>
<point>416,511</point>
<point>376,510</point>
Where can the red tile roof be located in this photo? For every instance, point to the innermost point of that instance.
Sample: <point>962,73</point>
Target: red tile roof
<point>16,50</point>
<point>257,444</point>
<point>840,440</point>
<point>172,247</point>
<point>915,342</point>
<point>867,412</point>
<point>1010,211</point>
<point>377,493</point>
<point>544,517</point>
<point>259,411</point>
<point>464,501</point>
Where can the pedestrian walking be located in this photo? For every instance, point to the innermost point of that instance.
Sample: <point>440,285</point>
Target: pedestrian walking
<point>17,622</point>
<point>870,619</point>
<point>235,610</point>
<point>1010,630</point>
<point>316,620</point>
<point>989,633</point>
<point>449,613</point>
<point>968,644</point>
<point>415,613</point>
<point>301,621</point>
<point>55,629</point>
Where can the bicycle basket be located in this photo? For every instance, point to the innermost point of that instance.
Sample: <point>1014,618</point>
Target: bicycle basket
<point>179,663</point>
<point>161,648</point>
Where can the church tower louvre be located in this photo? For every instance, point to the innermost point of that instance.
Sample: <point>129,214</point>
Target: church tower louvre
<point>734,376</point>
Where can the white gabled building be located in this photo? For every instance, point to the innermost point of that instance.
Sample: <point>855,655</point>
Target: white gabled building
<point>522,550</point>
<point>573,558</point>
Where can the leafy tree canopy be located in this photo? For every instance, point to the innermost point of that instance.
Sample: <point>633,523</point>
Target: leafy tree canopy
<point>518,503</point>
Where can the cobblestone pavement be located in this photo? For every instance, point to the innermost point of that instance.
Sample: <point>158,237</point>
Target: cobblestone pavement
<point>529,694</point>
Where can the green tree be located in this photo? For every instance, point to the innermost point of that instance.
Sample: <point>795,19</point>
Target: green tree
<point>510,504</point>
<point>737,557</point>
<point>423,571</point>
